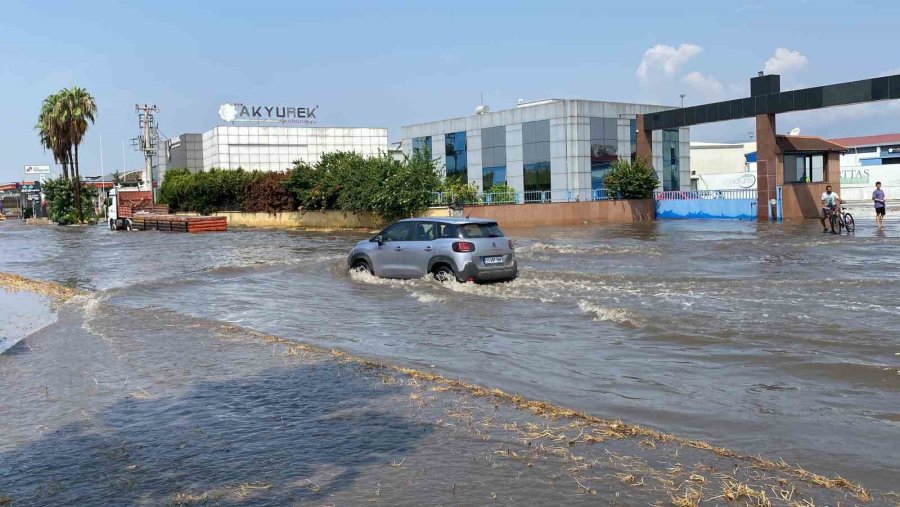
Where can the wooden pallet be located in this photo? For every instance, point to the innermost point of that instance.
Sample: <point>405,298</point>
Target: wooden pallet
<point>178,223</point>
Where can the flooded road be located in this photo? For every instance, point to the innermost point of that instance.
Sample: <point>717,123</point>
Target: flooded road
<point>768,339</point>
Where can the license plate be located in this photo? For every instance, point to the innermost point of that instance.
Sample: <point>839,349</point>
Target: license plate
<point>494,260</point>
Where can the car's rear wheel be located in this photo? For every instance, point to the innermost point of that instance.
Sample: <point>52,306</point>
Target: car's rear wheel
<point>361,266</point>
<point>443,273</point>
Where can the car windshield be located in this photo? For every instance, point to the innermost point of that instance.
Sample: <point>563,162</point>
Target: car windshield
<point>490,230</point>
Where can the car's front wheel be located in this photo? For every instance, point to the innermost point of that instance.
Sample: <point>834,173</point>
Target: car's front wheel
<point>361,266</point>
<point>443,273</point>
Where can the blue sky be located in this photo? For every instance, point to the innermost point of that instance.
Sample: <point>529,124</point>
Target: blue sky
<point>391,63</point>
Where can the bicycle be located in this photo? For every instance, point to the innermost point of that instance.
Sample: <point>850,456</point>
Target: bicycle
<point>842,219</point>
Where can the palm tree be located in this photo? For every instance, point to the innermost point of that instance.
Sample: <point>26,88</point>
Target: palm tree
<point>52,134</point>
<point>75,108</point>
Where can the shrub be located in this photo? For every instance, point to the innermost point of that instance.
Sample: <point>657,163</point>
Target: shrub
<point>344,180</point>
<point>407,190</point>
<point>266,192</point>
<point>631,180</point>
<point>204,192</point>
<point>457,194</point>
<point>61,201</point>
<point>501,193</point>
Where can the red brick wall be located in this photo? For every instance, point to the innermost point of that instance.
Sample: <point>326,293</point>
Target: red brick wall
<point>566,213</point>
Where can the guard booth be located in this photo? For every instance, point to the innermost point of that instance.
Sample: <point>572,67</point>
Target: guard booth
<point>806,165</point>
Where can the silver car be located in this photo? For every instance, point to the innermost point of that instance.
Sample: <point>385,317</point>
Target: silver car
<point>469,250</point>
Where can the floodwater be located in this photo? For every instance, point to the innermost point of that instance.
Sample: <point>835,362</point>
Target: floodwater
<point>768,339</point>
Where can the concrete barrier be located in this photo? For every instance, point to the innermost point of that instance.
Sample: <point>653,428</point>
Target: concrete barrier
<point>329,219</point>
<point>565,213</point>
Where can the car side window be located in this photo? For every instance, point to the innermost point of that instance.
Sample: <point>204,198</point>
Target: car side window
<point>447,231</point>
<point>424,231</point>
<point>398,232</point>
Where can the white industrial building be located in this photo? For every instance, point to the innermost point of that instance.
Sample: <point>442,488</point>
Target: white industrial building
<point>264,148</point>
<point>555,149</point>
<point>720,166</point>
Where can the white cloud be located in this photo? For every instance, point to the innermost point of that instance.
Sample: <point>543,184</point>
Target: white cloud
<point>891,72</point>
<point>707,87</point>
<point>785,60</point>
<point>668,59</point>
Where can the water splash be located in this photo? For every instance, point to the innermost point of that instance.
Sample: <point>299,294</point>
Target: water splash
<point>606,314</point>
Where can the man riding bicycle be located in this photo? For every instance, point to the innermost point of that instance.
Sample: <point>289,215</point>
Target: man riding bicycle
<point>830,203</point>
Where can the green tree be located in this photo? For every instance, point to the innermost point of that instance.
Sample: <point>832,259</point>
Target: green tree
<point>408,188</point>
<point>61,202</point>
<point>631,180</point>
<point>52,134</point>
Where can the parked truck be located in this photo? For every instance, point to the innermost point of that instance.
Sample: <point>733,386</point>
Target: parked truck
<point>134,210</point>
<point>123,205</point>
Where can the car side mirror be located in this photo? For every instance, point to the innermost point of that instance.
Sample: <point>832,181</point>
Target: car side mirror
<point>378,239</point>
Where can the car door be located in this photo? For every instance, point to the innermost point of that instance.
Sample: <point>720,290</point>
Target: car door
<point>388,258</point>
<point>418,251</point>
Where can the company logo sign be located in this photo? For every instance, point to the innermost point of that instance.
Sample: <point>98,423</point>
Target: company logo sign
<point>37,169</point>
<point>854,176</point>
<point>237,112</point>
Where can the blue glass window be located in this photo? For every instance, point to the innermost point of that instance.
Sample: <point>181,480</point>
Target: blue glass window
<point>455,150</point>
<point>604,149</point>
<point>671,164</point>
<point>493,157</point>
<point>422,145</point>
<point>536,159</point>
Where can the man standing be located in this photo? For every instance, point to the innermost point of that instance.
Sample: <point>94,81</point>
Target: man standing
<point>880,208</point>
<point>830,201</point>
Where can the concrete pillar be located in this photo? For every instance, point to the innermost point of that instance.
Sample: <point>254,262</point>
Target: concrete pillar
<point>833,170</point>
<point>644,142</point>
<point>766,164</point>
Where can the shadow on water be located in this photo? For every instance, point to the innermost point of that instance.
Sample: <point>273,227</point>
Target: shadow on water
<point>272,433</point>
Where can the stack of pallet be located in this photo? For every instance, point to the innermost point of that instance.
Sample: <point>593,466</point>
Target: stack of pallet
<point>207,224</point>
<point>129,210</point>
<point>178,223</point>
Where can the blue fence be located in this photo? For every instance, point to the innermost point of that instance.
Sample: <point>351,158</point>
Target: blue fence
<point>716,204</point>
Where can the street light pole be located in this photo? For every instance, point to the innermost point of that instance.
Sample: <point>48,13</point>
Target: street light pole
<point>682,99</point>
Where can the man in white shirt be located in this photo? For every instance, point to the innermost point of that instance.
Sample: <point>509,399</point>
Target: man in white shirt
<point>830,202</point>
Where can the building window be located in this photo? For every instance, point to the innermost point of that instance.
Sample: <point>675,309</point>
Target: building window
<point>671,165</point>
<point>604,148</point>
<point>804,168</point>
<point>493,157</point>
<point>536,159</point>
<point>633,140</point>
<point>422,146</point>
<point>455,150</point>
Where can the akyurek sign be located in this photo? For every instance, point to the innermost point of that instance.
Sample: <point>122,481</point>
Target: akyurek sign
<point>281,114</point>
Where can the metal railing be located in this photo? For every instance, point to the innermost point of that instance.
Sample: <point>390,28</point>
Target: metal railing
<point>741,193</point>
<point>530,197</point>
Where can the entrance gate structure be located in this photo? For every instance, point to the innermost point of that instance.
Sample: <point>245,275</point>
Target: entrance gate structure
<point>765,101</point>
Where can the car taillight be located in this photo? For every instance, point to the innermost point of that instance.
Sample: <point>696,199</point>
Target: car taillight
<point>463,246</point>
<point>511,247</point>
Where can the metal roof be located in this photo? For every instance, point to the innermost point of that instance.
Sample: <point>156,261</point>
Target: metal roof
<point>876,140</point>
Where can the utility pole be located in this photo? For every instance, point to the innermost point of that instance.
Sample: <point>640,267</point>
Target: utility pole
<point>147,141</point>
<point>682,99</point>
